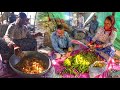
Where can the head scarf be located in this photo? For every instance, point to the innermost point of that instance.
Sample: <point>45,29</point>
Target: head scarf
<point>113,23</point>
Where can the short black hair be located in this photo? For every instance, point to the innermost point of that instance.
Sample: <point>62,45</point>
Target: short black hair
<point>60,27</point>
<point>22,15</point>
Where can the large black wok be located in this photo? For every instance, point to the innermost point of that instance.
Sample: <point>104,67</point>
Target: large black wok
<point>14,60</point>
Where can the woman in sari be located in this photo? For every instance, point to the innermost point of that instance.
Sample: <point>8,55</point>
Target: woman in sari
<point>104,38</point>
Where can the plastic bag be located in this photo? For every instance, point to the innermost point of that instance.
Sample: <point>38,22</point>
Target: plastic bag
<point>109,67</point>
<point>114,69</point>
<point>50,73</point>
<point>115,74</point>
<point>95,71</point>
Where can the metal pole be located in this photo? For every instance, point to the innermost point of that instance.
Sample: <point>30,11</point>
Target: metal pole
<point>30,18</point>
<point>2,17</point>
<point>35,20</point>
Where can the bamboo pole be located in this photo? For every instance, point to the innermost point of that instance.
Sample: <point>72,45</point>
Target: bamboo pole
<point>113,13</point>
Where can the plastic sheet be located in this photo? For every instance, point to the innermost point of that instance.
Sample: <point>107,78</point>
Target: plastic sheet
<point>95,71</point>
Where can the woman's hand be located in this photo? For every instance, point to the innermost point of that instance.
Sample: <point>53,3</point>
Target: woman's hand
<point>88,44</point>
<point>63,56</point>
<point>92,47</point>
<point>98,46</point>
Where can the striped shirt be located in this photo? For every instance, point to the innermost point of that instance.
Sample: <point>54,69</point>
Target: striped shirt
<point>16,32</point>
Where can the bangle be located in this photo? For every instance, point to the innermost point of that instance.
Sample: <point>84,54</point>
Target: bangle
<point>97,46</point>
<point>91,42</point>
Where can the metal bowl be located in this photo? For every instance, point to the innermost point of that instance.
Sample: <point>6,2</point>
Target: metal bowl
<point>14,60</point>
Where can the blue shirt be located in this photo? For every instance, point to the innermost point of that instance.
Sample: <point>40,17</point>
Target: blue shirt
<point>93,25</point>
<point>59,43</point>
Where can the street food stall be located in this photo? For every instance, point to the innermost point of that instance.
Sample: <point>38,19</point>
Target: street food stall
<point>83,62</point>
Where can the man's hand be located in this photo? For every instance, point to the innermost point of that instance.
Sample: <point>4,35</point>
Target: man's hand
<point>63,56</point>
<point>68,54</point>
<point>91,46</point>
<point>17,49</point>
<point>70,49</point>
<point>57,55</point>
<point>10,45</point>
<point>39,34</point>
